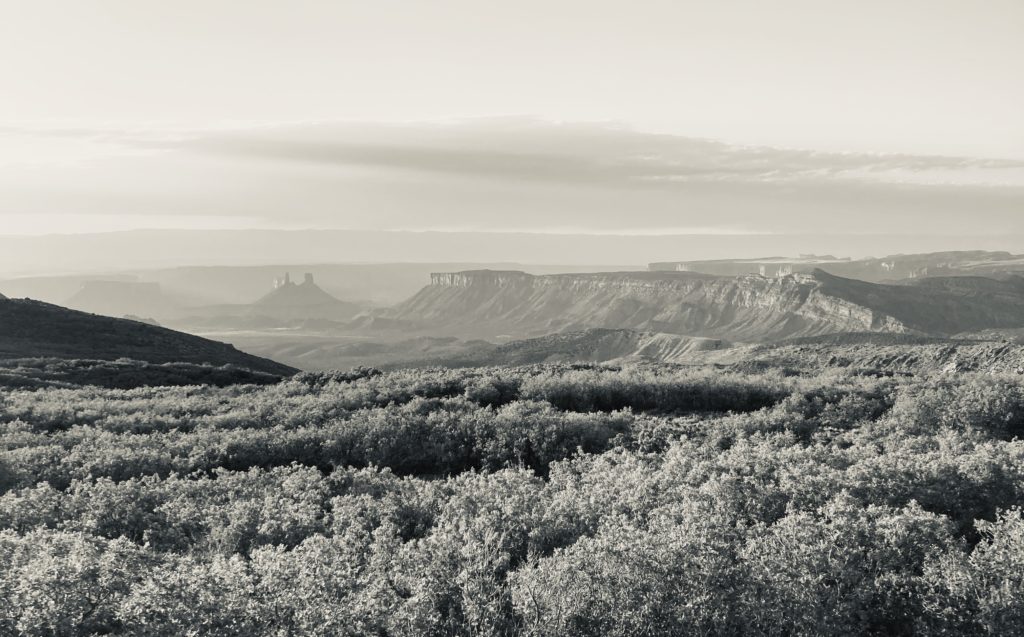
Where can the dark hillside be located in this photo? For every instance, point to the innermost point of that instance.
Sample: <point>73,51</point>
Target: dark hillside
<point>32,329</point>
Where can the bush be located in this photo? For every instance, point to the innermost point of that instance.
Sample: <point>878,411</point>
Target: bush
<point>543,500</point>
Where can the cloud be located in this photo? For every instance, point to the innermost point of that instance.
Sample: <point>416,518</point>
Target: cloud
<point>596,154</point>
<point>513,174</point>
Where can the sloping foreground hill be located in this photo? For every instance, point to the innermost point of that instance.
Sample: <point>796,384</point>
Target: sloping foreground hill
<point>490,304</point>
<point>32,329</point>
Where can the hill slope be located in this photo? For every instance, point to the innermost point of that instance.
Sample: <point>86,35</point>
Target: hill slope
<point>938,306</point>
<point>869,352</point>
<point>587,346</point>
<point>490,304</point>
<point>893,353</point>
<point>32,329</point>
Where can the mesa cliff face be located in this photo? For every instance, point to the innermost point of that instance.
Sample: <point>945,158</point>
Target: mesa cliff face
<point>479,277</point>
<point>492,303</point>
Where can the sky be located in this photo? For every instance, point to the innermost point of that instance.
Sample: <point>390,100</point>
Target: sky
<point>562,116</point>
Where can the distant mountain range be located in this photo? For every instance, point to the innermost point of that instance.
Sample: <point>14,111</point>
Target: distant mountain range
<point>149,249</point>
<point>366,284</point>
<point>506,304</point>
<point>890,268</point>
<point>479,315</point>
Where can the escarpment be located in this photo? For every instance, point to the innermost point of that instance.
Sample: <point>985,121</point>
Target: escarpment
<point>492,304</point>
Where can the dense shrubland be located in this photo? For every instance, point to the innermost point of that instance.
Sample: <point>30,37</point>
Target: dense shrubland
<point>33,373</point>
<point>536,501</point>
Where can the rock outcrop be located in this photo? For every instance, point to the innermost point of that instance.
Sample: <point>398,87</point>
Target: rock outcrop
<point>306,300</point>
<point>500,278</point>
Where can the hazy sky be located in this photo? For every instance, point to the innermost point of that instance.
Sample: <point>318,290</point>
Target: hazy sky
<point>555,116</point>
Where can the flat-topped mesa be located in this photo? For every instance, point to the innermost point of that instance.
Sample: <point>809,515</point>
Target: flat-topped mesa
<point>745,308</point>
<point>639,282</point>
<point>478,277</point>
<point>489,303</point>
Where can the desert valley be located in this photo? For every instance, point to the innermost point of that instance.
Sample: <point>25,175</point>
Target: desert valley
<point>506,452</point>
<point>393,315</point>
<point>544,318</point>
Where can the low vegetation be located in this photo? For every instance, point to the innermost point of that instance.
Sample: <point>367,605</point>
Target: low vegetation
<point>124,373</point>
<point>544,500</point>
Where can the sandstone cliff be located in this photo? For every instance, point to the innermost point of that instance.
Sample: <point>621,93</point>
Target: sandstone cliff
<point>491,304</point>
